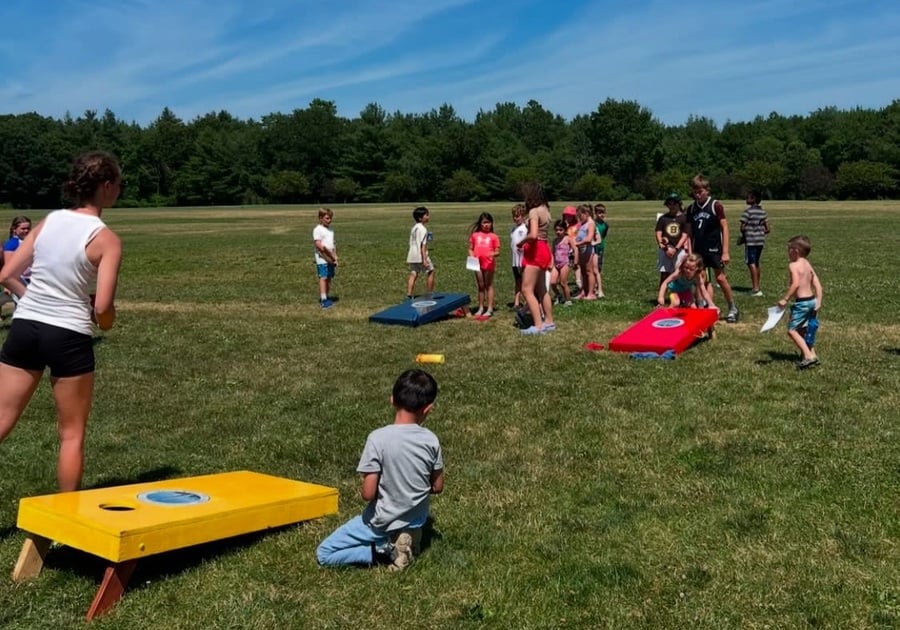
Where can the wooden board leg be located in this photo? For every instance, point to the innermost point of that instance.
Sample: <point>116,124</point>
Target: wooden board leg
<point>115,579</point>
<point>31,558</point>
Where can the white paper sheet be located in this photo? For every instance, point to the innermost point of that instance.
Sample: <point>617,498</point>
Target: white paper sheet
<point>775,313</point>
<point>472,263</point>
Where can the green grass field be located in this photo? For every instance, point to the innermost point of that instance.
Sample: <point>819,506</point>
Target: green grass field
<point>725,489</point>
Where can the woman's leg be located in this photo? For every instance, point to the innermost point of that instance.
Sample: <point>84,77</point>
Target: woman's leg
<point>16,388</point>
<point>554,281</point>
<point>543,298</point>
<point>531,276</point>
<point>73,396</point>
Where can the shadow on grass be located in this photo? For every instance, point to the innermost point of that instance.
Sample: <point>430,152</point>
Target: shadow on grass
<point>892,351</point>
<point>7,532</point>
<point>154,474</point>
<point>775,355</point>
<point>429,533</point>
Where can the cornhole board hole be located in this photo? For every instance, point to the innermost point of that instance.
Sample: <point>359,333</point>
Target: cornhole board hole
<point>421,310</point>
<point>666,329</point>
<point>126,523</point>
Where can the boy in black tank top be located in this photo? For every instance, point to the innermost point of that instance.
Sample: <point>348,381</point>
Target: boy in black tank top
<point>709,237</point>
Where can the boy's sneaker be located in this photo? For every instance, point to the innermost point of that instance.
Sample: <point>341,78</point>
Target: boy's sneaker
<point>567,303</point>
<point>532,330</point>
<point>807,363</point>
<point>733,315</point>
<point>326,303</point>
<point>402,554</point>
<point>756,294</point>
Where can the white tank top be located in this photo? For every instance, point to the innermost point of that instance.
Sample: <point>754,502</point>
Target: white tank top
<point>62,277</point>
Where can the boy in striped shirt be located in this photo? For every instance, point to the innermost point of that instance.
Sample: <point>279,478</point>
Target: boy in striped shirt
<point>754,227</point>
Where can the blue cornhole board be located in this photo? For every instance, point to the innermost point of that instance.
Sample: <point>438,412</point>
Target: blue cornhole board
<point>421,310</point>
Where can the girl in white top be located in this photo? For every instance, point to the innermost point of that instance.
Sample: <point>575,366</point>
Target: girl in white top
<point>70,252</point>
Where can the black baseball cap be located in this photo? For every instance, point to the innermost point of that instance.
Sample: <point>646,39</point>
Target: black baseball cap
<point>674,196</point>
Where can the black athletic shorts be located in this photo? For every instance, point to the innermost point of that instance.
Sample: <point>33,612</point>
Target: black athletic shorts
<point>711,260</point>
<point>32,345</point>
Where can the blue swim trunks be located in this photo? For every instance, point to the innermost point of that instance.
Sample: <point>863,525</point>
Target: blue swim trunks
<point>325,270</point>
<point>802,311</point>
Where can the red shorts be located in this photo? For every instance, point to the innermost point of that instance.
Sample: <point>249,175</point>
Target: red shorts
<point>537,254</point>
<point>487,263</point>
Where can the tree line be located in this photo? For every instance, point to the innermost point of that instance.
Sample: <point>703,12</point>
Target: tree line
<point>312,155</point>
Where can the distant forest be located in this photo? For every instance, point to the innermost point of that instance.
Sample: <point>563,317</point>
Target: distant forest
<point>312,155</point>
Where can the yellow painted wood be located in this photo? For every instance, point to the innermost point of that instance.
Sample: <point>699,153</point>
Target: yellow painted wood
<point>113,523</point>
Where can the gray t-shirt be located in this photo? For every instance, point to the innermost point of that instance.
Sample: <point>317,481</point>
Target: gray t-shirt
<point>405,455</point>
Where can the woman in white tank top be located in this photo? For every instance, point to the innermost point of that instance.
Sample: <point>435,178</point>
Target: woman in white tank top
<point>70,253</point>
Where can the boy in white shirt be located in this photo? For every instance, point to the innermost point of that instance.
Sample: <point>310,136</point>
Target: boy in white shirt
<point>417,258</point>
<point>325,255</point>
<point>517,234</point>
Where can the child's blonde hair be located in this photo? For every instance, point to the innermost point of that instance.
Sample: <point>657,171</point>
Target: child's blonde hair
<point>518,210</point>
<point>700,181</point>
<point>585,208</point>
<point>695,260</point>
<point>325,212</point>
<point>801,245</point>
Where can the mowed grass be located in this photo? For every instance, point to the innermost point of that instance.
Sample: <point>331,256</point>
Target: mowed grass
<point>724,489</point>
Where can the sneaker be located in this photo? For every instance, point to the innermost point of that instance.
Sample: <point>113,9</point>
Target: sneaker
<point>532,330</point>
<point>326,303</point>
<point>402,554</point>
<point>807,363</point>
<point>733,315</point>
<point>757,294</point>
<point>567,303</point>
<point>548,327</point>
<point>479,313</point>
<point>601,295</point>
<point>488,314</point>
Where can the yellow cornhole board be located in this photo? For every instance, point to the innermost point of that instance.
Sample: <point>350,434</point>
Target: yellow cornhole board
<point>126,523</point>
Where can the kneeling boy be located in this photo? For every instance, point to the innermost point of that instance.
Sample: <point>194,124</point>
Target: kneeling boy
<point>401,466</point>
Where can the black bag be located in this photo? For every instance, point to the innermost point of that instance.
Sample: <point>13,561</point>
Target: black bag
<point>524,318</point>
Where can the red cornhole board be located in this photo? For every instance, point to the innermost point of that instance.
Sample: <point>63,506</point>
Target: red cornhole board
<point>666,329</point>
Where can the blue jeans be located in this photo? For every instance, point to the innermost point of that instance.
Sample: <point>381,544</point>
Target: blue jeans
<point>351,543</point>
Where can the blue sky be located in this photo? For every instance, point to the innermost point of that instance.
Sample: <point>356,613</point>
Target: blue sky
<point>725,60</point>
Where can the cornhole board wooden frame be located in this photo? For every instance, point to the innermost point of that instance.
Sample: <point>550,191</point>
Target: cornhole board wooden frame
<point>126,523</point>
<point>665,329</point>
<point>421,310</point>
